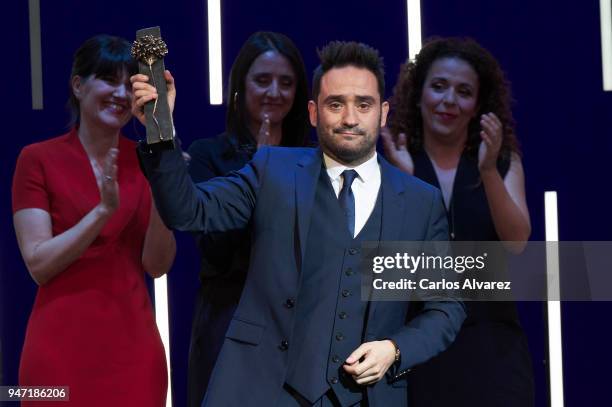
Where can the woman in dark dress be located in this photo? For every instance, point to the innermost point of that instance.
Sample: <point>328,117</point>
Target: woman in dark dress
<point>453,127</point>
<point>266,105</point>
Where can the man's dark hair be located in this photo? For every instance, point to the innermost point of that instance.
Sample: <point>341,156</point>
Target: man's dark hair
<point>339,54</point>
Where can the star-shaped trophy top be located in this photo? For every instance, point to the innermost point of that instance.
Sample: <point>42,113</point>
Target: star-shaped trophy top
<point>149,49</point>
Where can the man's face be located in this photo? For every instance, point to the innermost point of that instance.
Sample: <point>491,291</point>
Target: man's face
<point>348,114</point>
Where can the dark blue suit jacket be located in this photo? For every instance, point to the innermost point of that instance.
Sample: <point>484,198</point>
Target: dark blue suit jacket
<point>275,191</point>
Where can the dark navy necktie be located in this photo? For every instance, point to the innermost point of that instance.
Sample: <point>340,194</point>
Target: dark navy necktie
<point>347,199</point>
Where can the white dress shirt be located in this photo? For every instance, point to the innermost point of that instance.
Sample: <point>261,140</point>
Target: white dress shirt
<point>365,186</point>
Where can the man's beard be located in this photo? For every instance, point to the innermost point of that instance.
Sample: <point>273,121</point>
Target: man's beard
<point>357,154</point>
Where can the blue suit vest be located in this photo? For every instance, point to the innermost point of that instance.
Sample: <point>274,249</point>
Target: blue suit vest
<point>330,316</point>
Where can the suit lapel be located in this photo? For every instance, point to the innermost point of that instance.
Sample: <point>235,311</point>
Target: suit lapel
<point>306,176</point>
<point>393,213</point>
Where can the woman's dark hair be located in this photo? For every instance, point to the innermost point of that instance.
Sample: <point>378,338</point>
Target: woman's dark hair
<point>493,95</point>
<point>103,56</point>
<point>295,125</point>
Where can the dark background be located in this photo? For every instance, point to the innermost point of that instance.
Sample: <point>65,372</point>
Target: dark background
<point>550,50</point>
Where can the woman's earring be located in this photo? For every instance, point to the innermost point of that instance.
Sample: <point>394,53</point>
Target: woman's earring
<point>236,100</point>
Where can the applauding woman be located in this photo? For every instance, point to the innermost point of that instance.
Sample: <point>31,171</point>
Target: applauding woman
<point>452,127</point>
<point>88,230</point>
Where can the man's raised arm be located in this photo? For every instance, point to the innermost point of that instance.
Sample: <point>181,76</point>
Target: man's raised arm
<point>220,204</point>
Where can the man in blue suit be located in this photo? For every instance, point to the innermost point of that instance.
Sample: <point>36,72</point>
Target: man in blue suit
<point>301,335</point>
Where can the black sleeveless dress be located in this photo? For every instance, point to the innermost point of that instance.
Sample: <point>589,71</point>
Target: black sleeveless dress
<point>489,363</point>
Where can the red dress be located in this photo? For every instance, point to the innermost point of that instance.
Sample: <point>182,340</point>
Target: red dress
<point>92,327</point>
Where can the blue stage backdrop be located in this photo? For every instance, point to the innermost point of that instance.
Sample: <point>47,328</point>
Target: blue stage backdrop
<point>550,51</point>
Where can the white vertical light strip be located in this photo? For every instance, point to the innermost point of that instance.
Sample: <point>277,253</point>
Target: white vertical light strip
<point>35,54</point>
<point>414,27</point>
<point>555,346</point>
<point>605,11</point>
<point>215,73</point>
<point>161,318</point>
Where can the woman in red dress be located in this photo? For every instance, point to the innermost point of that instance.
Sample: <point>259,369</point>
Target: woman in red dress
<point>87,231</point>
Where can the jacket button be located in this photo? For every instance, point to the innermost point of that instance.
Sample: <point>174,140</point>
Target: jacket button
<point>289,303</point>
<point>343,315</point>
<point>336,359</point>
<point>346,293</point>
<point>284,345</point>
<point>334,380</point>
<point>348,271</point>
<point>339,336</point>
<point>353,250</point>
